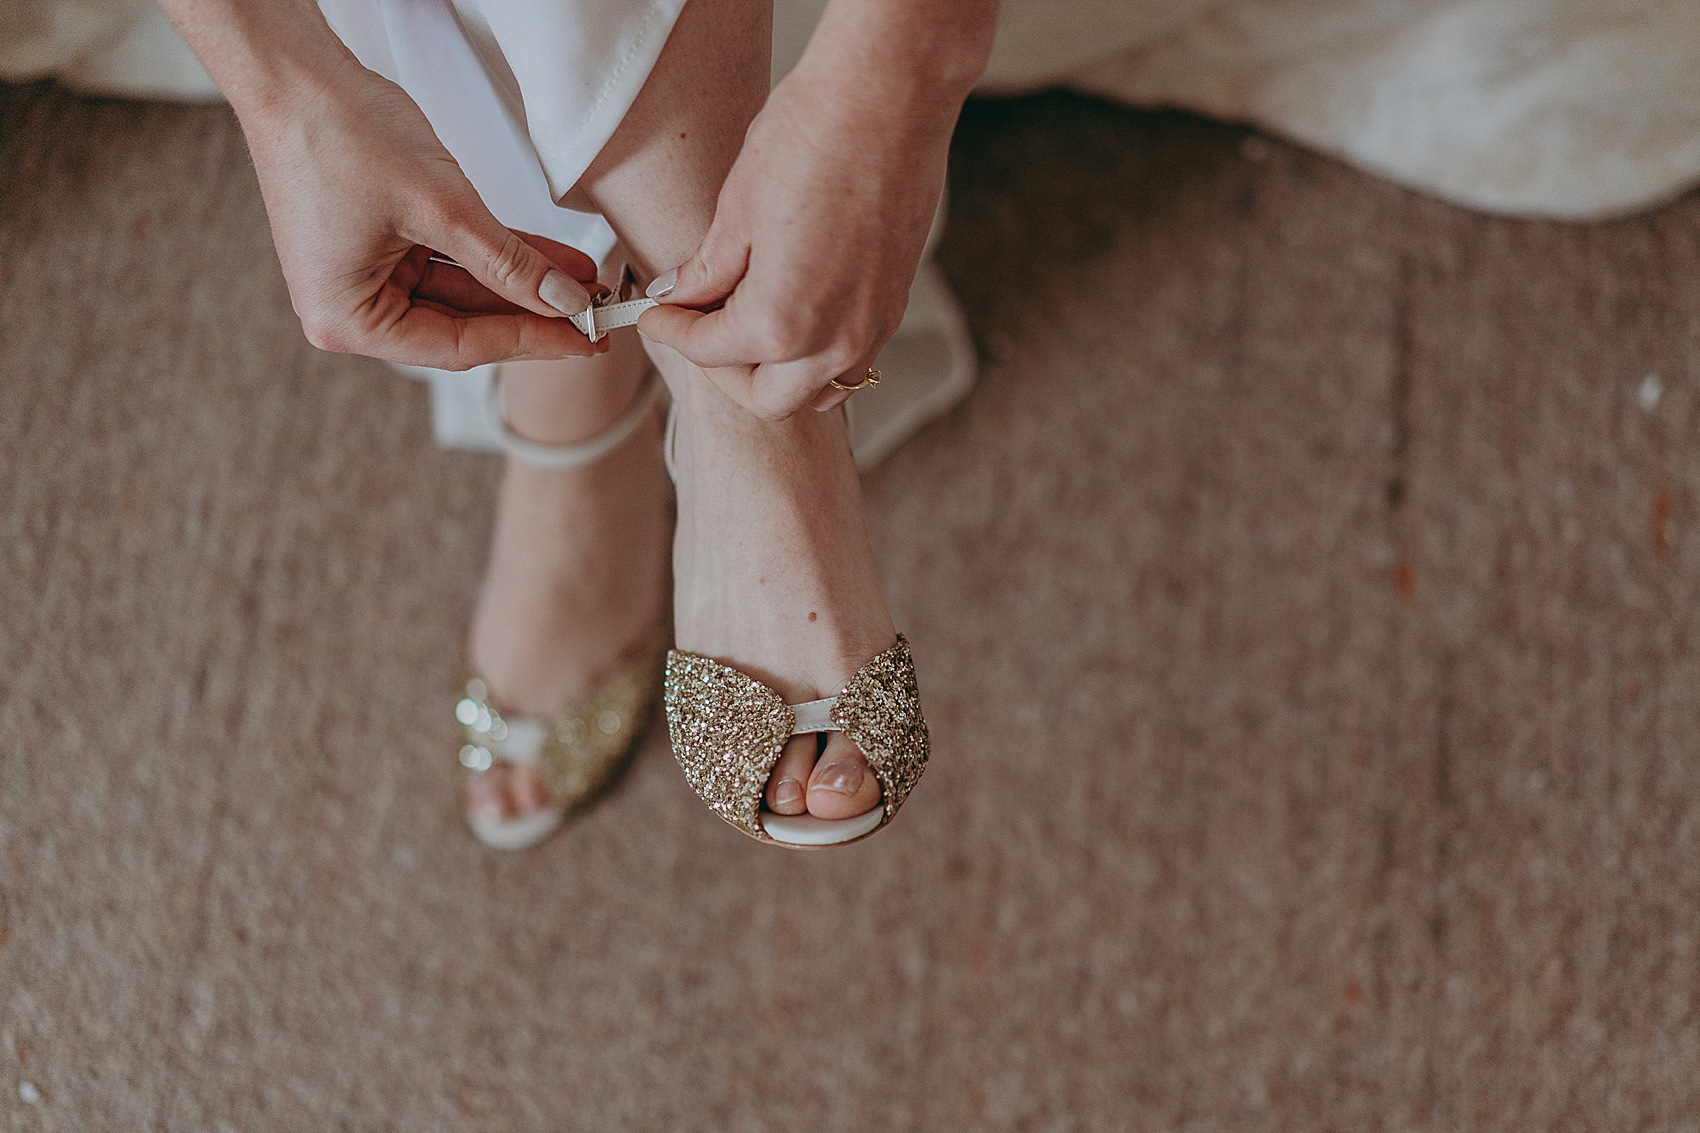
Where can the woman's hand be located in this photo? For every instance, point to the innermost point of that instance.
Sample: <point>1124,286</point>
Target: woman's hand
<point>360,194</point>
<point>816,238</point>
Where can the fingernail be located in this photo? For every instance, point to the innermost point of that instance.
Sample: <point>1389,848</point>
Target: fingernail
<point>562,292</point>
<point>845,778</point>
<point>662,284</point>
<point>789,791</point>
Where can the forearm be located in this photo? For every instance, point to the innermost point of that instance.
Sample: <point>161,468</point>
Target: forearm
<point>904,56</point>
<point>267,56</point>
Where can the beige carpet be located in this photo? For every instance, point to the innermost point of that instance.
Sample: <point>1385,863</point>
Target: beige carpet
<point>1307,611</point>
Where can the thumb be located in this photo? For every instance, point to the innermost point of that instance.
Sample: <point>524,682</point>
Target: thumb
<point>503,262</point>
<point>706,278</point>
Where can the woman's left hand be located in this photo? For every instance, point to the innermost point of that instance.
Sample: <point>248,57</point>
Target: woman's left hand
<point>816,237</point>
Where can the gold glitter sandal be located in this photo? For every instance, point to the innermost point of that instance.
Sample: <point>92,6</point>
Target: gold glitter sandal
<point>581,751</point>
<point>577,754</point>
<point>728,728</point>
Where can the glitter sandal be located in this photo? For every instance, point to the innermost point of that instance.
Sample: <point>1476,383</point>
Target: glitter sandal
<point>577,754</point>
<point>580,751</point>
<point>728,729</point>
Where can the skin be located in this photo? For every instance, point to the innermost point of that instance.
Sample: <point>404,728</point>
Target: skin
<point>577,576</point>
<point>359,192</point>
<point>741,206</point>
<point>849,152</point>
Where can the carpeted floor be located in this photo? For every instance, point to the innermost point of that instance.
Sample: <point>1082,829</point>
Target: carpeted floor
<point>1306,605</point>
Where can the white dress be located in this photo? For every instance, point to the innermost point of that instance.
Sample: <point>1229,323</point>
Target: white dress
<point>524,95</point>
<point>1570,108</point>
<point>1580,109</point>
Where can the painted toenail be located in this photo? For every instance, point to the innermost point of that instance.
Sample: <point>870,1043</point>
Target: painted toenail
<point>789,791</point>
<point>845,778</point>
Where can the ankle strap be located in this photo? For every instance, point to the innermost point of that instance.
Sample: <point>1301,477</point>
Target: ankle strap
<point>596,321</point>
<point>614,308</point>
<point>582,452</point>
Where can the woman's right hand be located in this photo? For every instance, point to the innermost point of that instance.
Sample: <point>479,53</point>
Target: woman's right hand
<point>360,193</point>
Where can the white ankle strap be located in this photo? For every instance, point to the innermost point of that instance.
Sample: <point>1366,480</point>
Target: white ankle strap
<point>598,321</point>
<point>614,308</point>
<point>583,452</point>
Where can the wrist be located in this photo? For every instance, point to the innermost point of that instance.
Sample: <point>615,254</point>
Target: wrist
<point>919,58</point>
<point>270,58</point>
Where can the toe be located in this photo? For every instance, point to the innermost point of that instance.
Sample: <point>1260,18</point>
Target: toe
<point>787,784</point>
<point>843,785</point>
<point>487,795</point>
<point>526,792</point>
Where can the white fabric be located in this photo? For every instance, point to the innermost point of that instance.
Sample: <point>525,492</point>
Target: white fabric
<point>929,365</point>
<point>524,95</point>
<point>1572,108</point>
<point>554,75</point>
<point>1566,108</point>
<point>123,48</point>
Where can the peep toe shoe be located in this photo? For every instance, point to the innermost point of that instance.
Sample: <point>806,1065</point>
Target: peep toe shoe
<point>578,752</point>
<point>728,729</point>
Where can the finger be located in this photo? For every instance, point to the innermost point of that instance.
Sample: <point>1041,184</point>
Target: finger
<point>831,399</point>
<point>709,339</point>
<point>709,276</point>
<point>738,383</point>
<point>526,791</point>
<point>453,287</point>
<point>784,388</point>
<point>564,256</point>
<point>499,258</point>
<point>486,794</point>
<point>460,342</point>
<point>443,281</point>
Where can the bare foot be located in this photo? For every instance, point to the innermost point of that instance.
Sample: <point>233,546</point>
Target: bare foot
<point>577,574</point>
<point>774,575</point>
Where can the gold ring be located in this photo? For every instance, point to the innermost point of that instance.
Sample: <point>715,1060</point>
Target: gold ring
<point>873,379</point>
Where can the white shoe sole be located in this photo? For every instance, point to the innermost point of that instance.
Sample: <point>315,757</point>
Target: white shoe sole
<point>515,834</point>
<point>807,830</point>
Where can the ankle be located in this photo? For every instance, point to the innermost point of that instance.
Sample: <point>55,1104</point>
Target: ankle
<point>571,400</point>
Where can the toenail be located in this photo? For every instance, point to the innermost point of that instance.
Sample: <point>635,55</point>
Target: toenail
<point>789,791</point>
<point>846,778</point>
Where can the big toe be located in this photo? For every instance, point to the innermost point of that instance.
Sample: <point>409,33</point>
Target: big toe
<point>842,785</point>
<point>504,793</point>
<point>787,783</point>
<point>487,795</point>
<point>527,793</point>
